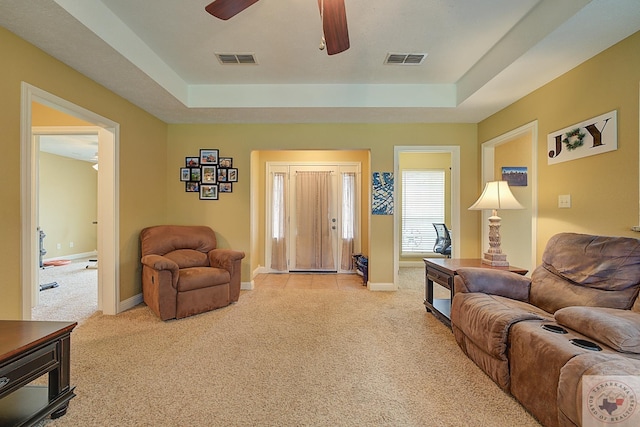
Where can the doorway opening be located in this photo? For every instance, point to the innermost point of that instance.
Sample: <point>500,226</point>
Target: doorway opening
<point>67,218</point>
<point>518,228</point>
<point>312,213</point>
<point>107,201</point>
<point>452,202</point>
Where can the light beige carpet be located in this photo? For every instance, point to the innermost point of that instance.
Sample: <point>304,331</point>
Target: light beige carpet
<point>412,278</point>
<point>283,357</point>
<point>76,296</point>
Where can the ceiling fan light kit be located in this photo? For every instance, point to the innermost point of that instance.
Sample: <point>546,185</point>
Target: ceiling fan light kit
<point>333,16</point>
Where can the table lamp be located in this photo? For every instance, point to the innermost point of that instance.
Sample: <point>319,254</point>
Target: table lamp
<point>496,195</point>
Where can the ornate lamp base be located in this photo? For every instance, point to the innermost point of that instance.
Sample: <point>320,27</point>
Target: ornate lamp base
<point>494,256</point>
<point>495,260</point>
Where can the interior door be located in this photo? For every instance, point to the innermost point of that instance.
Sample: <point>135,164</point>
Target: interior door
<point>314,224</point>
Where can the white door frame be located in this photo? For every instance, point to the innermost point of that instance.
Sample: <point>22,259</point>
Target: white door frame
<point>454,151</point>
<point>108,212</point>
<point>488,164</point>
<point>278,166</point>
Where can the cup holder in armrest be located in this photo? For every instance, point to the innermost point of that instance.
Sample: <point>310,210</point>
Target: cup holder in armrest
<point>587,345</point>
<point>554,328</point>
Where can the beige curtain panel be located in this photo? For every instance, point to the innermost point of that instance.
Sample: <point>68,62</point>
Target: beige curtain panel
<point>313,239</point>
<point>278,225</point>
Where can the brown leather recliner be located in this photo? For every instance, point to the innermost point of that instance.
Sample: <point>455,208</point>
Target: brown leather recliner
<point>578,315</point>
<point>183,273</point>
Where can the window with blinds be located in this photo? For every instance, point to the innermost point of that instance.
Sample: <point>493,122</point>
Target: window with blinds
<point>422,205</point>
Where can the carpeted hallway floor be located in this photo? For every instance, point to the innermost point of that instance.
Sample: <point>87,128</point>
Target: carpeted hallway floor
<point>284,355</point>
<point>76,296</point>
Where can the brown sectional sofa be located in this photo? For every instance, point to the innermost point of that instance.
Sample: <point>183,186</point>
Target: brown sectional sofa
<point>509,325</point>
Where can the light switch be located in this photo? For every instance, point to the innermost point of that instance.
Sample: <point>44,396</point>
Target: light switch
<point>564,201</point>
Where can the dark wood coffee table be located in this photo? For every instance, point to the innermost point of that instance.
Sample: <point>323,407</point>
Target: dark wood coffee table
<point>442,272</point>
<point>29,350</point>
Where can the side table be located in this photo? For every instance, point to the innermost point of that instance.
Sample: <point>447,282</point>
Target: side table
<point>442,272</point>
<point>29,350</point>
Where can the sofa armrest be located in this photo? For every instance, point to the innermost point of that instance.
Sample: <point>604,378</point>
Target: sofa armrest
<point>158,262</point>
<point>495,282</point>
<point>227,259</point>
<point>619,329</point>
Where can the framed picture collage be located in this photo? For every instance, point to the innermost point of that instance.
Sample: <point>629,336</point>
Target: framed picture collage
<point>209,174</point>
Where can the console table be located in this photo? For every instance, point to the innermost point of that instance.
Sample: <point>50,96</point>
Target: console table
<point>442,272</point>
<point>29,350</point>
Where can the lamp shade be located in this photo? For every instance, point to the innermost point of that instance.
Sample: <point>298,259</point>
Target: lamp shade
<point>496,195</point>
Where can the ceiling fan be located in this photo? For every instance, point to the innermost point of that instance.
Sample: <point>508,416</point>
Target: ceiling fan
<point>332,14</point>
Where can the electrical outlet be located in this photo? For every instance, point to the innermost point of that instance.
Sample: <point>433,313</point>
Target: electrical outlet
<point>564,201</point>
<point>70,244</point>
<point>58,246</point>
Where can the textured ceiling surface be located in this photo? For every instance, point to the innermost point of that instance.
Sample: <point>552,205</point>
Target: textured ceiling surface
<point>481,55</point>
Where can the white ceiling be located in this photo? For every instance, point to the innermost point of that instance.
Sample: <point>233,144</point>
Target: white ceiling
<point>76,146</point>
<point>482,55</point>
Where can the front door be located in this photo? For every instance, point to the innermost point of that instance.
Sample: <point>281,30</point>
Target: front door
<point>314,219</point>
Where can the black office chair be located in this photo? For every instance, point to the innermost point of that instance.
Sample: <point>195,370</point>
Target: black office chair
<point>443,240</point>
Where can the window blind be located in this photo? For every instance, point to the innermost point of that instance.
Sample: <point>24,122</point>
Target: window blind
<point>422,205</point>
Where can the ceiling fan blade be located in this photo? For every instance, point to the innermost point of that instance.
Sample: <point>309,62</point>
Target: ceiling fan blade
<point>334,25</point>
<point>225,9</point>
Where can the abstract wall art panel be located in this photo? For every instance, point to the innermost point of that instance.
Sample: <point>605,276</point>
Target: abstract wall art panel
<point>382,203</point>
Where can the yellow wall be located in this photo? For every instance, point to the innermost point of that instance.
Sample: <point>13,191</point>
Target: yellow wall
<point>67,205</point>
<point>603,188</point>
<point>41,115</point>
<point>151,153</point>
<point>231,216</point>
<point>142,156</point>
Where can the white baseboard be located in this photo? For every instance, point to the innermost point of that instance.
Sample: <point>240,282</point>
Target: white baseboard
<point>137,299</point>
<point>130,303</point>
<point>73,256</point>
<point>407,264</point>
<point>266,270</point>
<point>382,287</point>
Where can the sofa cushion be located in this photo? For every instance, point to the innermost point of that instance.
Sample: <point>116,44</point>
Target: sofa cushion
<point>186,258</point>
<point>162,239</point>
<point>619,329</point>
<point>581,269</point>
<point>486,319</point>
<point>201,277</point>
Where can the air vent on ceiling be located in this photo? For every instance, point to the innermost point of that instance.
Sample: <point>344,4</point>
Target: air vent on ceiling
<point>236,58</point>
<point>405,58</point>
